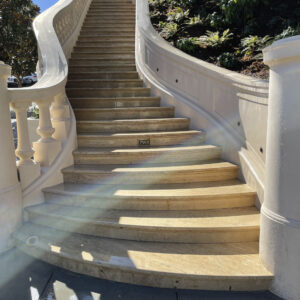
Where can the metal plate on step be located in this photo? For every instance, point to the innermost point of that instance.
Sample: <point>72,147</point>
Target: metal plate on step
<point>144,142</point>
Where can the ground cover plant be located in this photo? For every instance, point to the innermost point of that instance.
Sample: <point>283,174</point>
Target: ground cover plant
<point>228,33</point>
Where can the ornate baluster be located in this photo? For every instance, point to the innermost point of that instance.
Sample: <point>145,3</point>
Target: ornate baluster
<point>28,169</point>
<point>47,148</point>
<point>60,113</point>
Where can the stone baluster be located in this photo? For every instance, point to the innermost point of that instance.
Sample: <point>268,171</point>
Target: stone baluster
<point>10,189</point>
<point>60,113</point>
<point>280,214</point>
<point>29,170</point>
<point>46,148</point>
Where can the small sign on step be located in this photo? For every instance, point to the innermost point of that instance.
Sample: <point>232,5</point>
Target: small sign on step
<point>144,142</point>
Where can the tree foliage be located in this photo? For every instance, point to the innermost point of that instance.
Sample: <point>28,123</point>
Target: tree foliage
<point>17,41</point>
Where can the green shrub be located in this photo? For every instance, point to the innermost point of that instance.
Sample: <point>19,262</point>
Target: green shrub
<point>228,60</point>
<point>177,14</point>
<point>188,45</point>
<point>168,30</point>
<point>253,45</point>
<point>214,39</point>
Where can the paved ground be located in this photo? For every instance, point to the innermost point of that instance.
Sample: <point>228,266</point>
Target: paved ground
<point>22,278</point>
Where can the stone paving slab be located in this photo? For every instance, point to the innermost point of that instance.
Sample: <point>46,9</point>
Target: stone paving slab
<point>23,278</point>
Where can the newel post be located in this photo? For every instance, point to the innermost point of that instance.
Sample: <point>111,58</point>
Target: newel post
<point>280,221</point>
<point>10,189</point>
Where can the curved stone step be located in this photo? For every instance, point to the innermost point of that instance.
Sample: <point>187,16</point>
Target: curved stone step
<point>104,49</point>
<point>115,102</point>
<point>108,92</point>
<point>104,83</point>
<point>120,174</point>
<point>102,68</point>
<point>124,113</point>
<point>234,267</point>
<point>103,156</point>
<point>190,137</point>
<point>99,61</point>
<point>231,225</point>
<point>104,75</point>
<point>208,195</point>
<point>121,30</point>
<point>121,56</point>
<point>133,125</point>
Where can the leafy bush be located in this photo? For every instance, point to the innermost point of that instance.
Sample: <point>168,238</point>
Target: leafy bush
<point>168,30</point>
<point>188,45</point>
<point>177,14</point>
<point>253,45</point>
<point>228,60</point>
<point>214,39</point>
<point>287,33</point>
<point>194,21</point>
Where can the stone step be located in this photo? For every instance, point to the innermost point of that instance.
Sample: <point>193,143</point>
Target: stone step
<point>123,113</point>
<point>234,266</point>
<point>100,22</point>
<point>100,61</point>
<point>102,68</point>
<point>110,8</point>
<point>132,125</point>
<point>116,18</point>
<point>107,49</point>
<point>107,35</point>
<point>230,225</point>
<point>103,75</point>
<point>115,102</point>
<point>104,56</point>
<point>108,26</point>
<point>120,174</point>
<point>104,83</point>
<point>187,154</point>
<point>199,196</point>
<point>113,92</point>
<point>100,44</point>
<point>111,29</point>
<point>190,137</point>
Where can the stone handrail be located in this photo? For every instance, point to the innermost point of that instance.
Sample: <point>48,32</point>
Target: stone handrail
<point>56,30</point>
<point>232,108</point>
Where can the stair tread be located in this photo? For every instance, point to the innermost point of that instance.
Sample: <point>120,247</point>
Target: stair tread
<point>108,151</point>
<point>158,120</point>
<point>116,134</point>
<point>205,166</point>
<point>213,219</point>
<point>230,260</point>
<point>173,191</point>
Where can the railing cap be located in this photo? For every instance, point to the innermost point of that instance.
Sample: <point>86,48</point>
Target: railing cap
<point>282,51</point>
<point>5,70</point>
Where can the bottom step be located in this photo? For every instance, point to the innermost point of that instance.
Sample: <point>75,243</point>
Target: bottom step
<point>234,267</point>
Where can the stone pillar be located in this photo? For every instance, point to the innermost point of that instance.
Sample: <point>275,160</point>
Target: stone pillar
<point>10,189</point>
<point>280,215</point>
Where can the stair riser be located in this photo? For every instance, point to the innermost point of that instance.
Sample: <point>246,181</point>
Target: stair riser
<point>104,75</point>
<point>132,126</point>
<point>108,36</point>
<point>124,114</point>
<point>133,141</point>
<point>109,27</point>
<point>108,93</point>
<point>103,84</point>
<point>86,42</point>
<point>99,62</point>
<point>111,103</point>
<point>103,68</point>
<point>188,156</point>
<point>101,30</point>
<point>103,56</point>
<point>144,278</point>
<point>105,50</point>
<point>148,234</point>
<point>182,176</point>
<point>183,203</point>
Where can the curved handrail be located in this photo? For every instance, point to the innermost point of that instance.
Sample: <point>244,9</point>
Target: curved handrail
<point>52,57</point>
<point>56,31</point>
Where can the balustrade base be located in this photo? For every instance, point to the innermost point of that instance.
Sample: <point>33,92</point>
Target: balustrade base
<point>46,151</point>
<point>29,173</point>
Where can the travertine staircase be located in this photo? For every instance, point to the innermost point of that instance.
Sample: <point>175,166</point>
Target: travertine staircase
<point>146,201</point>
